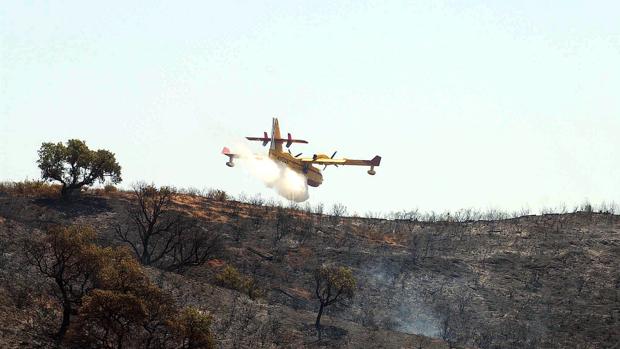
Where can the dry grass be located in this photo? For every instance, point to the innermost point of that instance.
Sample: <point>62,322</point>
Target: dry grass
<point>30,188</point>
<point>39,188</point>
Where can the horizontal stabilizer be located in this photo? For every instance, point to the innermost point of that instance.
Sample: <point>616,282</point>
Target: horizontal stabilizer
<point>265,138</point>
<point>289,141</point>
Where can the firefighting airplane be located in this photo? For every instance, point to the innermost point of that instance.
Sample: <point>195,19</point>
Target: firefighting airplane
<point>301,165</point>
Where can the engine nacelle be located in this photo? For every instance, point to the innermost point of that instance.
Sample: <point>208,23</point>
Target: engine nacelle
<point>230,164</point>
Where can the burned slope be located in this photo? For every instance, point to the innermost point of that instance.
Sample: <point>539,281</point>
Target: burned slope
<point>30,316</point>
<point>537,281</point>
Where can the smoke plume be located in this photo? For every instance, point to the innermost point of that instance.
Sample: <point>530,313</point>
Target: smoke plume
<point>275,175</point>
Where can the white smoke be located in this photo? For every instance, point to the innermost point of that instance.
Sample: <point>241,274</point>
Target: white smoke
<point>276,175</point>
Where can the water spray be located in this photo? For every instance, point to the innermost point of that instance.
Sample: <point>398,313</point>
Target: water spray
<point>287,183</point>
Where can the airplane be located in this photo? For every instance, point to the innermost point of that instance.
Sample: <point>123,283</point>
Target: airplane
<point>302,165</point>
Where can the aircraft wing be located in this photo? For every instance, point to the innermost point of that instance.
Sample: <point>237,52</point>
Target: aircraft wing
<point>326,161</point>
<point>352,162</point>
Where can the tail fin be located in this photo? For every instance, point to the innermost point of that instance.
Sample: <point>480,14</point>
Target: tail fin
<point>275,135</point>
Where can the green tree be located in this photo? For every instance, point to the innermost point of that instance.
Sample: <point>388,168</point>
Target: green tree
<point>74,165</point>
<point>126,310</point>
<point>107,319</point>
<point>107,300</point>
<point>194,329</point>
<point>66,255</point>
<point>333,284</point>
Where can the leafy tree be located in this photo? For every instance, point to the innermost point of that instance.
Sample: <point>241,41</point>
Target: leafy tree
<point>333,284</point>
<point>128,310</point>
<point>194,329</point>
<point>74,165</point>
<point>112,299</point>
<point>66,255</point>
<point>108,319</point>
<point>125,309</point>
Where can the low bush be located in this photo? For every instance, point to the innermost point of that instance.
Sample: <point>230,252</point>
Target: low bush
<point>110,188</point>
<point>231,278</point>
<point>217,195</point>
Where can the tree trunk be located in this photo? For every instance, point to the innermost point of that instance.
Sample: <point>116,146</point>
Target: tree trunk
<point>69,191</point>
<point>146,256</point>
<point>66,318</point>
<point>318,320</point>
<point>119,341</point>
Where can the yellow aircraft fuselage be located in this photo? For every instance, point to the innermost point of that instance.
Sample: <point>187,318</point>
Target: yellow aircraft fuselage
<point>313,174</point>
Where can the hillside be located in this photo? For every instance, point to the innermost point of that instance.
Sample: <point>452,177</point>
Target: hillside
<point>549,281</point>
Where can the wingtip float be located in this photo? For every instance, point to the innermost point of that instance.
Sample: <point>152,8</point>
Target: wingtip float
<point>304,166</point>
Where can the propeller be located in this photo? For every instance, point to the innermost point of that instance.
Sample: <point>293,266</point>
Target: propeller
<point>296,156</point>
<point>334,154</point>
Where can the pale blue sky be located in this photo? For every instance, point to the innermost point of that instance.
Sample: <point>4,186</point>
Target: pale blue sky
<point>471,104</point>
